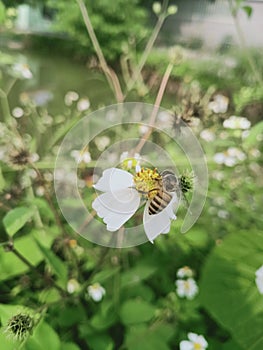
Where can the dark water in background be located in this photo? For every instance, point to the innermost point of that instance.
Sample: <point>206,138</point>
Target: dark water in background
<point>53,77</point>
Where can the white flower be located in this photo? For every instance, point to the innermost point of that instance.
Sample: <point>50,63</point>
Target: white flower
<point>96,291</point>
<point>219,104</point>
<point>121,199</point>
<point>22,71</point>
<point>18,112</point>
<point>81,156</point>
<point>259,279</point>
<point>207,135</point>
<point>186,288</point>
<point>72,286</point>
<point>234,122</point>
<point>195,342</point>
<point>184,272</point>
<point>70,97</point>
<point>83,104</point>
<point>102,142</point>
<point>230,157</point>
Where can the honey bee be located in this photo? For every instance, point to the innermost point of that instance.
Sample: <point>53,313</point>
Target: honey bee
<point>168,184</point>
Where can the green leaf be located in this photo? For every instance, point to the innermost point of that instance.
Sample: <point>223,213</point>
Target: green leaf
<point>143,338</point>
<point>2,12</point>
<point>100,342</point>
<point>248,10</point>
<point>8,311</point>
<point>16,218</point>
<point>104,275</point>
<point>2,181</point>
<point>57,265</point>
<point>6,344</point>
<point>228,290</point>
<point>136,311</point>
<point>11,265</point>
<point>137,274</point>
<point>44,337</point>
<point>254,136</point>
<point>69,346</point>
<point>105,317</point>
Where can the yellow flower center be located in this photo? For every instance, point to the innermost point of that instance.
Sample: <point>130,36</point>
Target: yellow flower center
<point>197,346</point>
<point>147,182</point>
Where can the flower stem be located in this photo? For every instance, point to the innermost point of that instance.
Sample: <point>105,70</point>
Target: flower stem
<point>21,257</point>
<point>154,113</point>
<point>109,73</point>
<point>148,47</point>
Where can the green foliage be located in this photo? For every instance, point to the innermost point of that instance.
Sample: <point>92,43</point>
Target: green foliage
<point>46,269</point>
<point>15,219</point>
<point>228,289</point>
<point>115,24</point>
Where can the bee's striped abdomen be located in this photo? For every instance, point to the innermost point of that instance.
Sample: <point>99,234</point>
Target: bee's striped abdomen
<point>159,202</point>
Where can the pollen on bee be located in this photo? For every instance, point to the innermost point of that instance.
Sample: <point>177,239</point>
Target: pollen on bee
<point>146,181</point>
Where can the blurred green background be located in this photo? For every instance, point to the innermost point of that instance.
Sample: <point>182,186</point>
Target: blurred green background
<point>60,291</point>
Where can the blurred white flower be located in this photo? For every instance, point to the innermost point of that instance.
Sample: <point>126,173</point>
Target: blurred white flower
<point>230,157</point>
<point>121,199</point>
<point>83,104</point>
<point>195,342</point>
<point>102,142</point>
<point>184,272</point>
<point>81,156</point>
<point>40,191</point>
<point>143,129</point>
<point>234,122</point>
<point>72,286</point>
<point>70,97</point>
<point>259,279</point>
<point>186,288</point>
<point>223,214</point>
<point>207,135</point>
<point>18,112</point>
<point>219,104</point>
<point>96,291</point>
<point>22,71</point>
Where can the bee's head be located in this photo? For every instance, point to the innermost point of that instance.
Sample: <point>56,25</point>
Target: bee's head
<point>169,180</point>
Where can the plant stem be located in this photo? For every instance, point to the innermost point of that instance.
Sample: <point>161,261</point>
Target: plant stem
<point>109,73</point>
<point>34,269</point>
<point>148,47</point>
<point>157,103</point>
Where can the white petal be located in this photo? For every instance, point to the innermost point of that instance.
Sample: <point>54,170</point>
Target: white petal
<point>116,208</point>
<point>114,179</point>
<point>193,337</point>
<point>171,207</point>
<point>160,223</point>
<point>186,345</point>
<point>156,224</point>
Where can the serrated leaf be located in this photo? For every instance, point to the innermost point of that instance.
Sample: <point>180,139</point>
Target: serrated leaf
<point>228,290</point>
<point>16,218</point>
<point>136,311</point>
<point>57,265</point>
